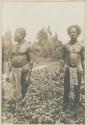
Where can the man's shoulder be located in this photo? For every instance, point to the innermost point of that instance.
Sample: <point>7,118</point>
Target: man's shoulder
<point>81,44</point>
<point>28,45</point>
<point>14,44</point>
<point>64,45</point>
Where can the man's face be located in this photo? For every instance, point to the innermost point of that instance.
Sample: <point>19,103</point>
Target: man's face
<point>18,36</point>
<point>73,33</point>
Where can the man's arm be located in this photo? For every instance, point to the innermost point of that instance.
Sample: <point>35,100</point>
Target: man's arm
<point>9,61</point>
<point>62,58</point>
<point>30,58</point>
<point>30,64</point>
<point>9,67</point>
<point>83,58</point>
<point>63,55</point>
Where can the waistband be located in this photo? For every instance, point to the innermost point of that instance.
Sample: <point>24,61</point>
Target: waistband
<point>24,69</point>
<point>68,67</point>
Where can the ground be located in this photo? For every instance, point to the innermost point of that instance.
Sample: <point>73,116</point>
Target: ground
<point>43,102</point>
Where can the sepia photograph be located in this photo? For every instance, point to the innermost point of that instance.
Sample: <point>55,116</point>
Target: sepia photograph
<point>43,62</point>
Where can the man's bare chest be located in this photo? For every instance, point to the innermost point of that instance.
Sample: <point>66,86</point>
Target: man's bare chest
<point>76,48</point>
<point>20,49</point>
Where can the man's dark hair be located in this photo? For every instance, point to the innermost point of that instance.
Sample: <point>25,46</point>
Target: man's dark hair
<point>78,29</point>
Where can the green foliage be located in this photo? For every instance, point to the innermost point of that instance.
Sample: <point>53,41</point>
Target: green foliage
<point>43,101</point>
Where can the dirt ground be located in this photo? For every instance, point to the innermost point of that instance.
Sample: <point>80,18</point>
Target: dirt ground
<point>43,103</point>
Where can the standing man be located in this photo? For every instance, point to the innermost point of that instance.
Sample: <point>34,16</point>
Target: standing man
<point>20,63</point>
<point>73,56</point>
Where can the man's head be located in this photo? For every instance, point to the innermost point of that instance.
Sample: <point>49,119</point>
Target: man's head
<point>20,33</point>
<point>74,31</point>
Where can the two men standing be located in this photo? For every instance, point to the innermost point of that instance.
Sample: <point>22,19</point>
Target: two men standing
<point>20,64</point>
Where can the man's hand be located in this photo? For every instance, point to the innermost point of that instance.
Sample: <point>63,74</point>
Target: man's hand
<point>8,77</point>
<point>27,67</point>
<point>27,78</point>
<point>28,75</point>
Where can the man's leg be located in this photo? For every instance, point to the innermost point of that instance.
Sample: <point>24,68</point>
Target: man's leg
<point>24,83</point>
<point>66,87</point>
<point>77,88</point>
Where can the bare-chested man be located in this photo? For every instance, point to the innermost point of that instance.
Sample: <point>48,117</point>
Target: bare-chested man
<point>73,56</point>
<point>20,63</point>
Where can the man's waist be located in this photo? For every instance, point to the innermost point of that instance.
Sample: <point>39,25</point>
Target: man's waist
<point>23,68</point>
<point>73,66</point>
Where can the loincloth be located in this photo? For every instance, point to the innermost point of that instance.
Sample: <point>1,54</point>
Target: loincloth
<point>16,81</point>
<point>73,77</point>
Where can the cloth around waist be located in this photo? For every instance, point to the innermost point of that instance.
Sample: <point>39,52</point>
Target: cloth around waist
<point>22,69</point>
<point>68,67</point>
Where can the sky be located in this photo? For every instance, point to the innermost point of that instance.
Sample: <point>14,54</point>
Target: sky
<point>34,15</point>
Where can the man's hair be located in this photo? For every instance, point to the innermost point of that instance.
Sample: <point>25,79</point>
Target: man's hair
<point>78,29</point>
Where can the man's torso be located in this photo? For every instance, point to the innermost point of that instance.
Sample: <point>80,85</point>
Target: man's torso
<point>20,55</point>
<point>73,54</point>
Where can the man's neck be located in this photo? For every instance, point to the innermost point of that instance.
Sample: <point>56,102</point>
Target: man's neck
<point>73,41</point>
<point>21,41</point>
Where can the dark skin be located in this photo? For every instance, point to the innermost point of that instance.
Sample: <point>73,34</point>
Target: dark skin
<point>73,52</point>
<point>20,56</point>
<point>73,56</point>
